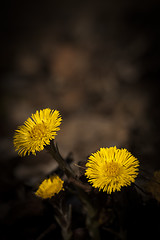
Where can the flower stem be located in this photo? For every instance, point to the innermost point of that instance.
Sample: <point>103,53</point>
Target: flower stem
<point>54,151</point>
<point>91,212</point>
<point>91,215</point>
<point>63,218</point>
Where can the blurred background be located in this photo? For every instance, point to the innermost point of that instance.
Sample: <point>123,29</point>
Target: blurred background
<point>97,62</point>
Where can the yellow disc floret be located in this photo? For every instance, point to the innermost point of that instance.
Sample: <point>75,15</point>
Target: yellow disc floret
<point>49,187</point>
<point>110,169</point>
<point>37,131</point>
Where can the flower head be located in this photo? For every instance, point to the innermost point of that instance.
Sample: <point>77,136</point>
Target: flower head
<point>37,131</point>
<point>49,187</point>
<point>154,186</point>
<point>110,169</point>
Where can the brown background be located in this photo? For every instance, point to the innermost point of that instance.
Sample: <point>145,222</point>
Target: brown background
<point>97,62</point>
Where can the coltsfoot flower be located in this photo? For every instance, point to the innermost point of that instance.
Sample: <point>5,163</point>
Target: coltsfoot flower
<point>37,131</point>
<point>110,169</point>
<point>49,187</point>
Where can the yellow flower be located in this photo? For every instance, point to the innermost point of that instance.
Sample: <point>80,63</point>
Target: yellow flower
<point>49,187</point>
<point>154,186</point>
<point>37,131</point>
<point>110,169</point>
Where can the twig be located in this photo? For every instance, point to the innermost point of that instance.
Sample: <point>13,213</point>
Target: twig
<point>78,183</point>
<point>43,234</point>
<point>141,189</point>
<point>79,166</point>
